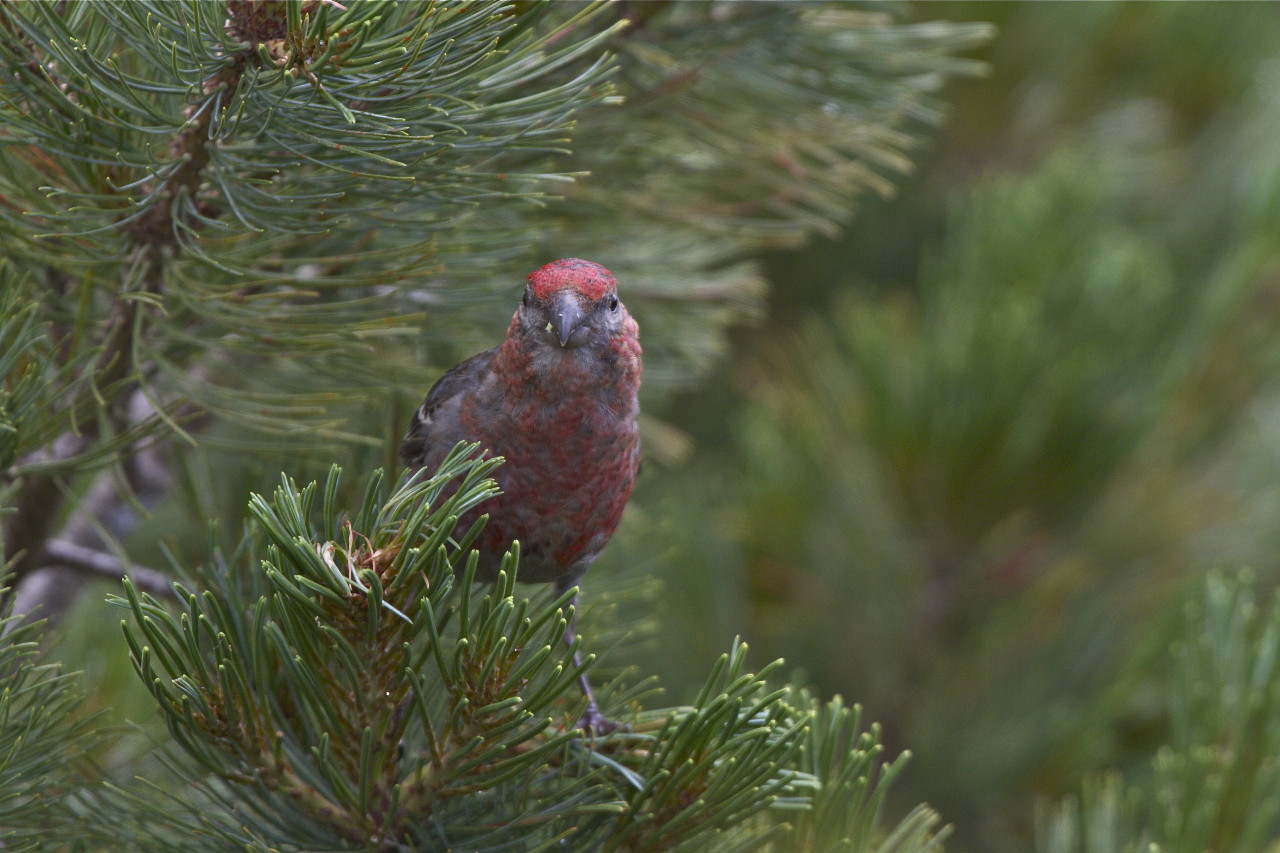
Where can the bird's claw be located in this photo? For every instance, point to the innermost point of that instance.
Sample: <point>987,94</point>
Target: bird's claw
<point>593,723</point>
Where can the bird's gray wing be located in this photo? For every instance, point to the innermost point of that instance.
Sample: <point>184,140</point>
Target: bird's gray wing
<point>425,430</point>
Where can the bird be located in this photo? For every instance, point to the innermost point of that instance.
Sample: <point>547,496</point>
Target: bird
<point>558,400</point>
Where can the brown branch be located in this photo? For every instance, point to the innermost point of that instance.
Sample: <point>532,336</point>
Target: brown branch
<point>100,564</point>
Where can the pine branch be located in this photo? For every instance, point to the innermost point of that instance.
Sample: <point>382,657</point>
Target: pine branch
<point>100,564</point>
<point>347,686</point>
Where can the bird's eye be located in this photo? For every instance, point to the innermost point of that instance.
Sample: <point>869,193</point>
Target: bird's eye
<point>613,303</point>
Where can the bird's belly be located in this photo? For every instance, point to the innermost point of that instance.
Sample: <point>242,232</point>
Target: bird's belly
<point>564,488</point>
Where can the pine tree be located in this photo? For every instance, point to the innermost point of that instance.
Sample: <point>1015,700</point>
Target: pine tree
<point>242,224</point>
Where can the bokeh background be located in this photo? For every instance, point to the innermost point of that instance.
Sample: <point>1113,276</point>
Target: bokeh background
<point>985,436</point>
<point>978,444</point>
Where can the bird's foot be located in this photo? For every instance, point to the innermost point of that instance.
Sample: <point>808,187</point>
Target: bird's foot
<point>592,722</point>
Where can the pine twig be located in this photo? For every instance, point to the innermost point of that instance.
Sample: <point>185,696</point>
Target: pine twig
<point>90,561</point>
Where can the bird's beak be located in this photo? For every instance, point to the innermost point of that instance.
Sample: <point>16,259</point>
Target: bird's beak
<point>566,317</point>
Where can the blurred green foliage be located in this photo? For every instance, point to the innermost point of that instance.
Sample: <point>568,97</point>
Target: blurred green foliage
<point>1215,784</point>
<point>989,431</point>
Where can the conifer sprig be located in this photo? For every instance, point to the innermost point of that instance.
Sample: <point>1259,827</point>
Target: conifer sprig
<point>344,678</point>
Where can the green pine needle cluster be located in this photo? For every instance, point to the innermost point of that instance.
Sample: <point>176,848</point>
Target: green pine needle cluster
<point>344,683</point>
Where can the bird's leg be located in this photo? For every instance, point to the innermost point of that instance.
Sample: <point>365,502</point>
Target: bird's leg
<point>592,721</point>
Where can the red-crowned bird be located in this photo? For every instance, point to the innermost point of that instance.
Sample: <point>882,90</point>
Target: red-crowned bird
<point>557,399</point>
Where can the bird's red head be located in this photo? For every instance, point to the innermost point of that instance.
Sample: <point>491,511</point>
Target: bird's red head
<point>571,333</point>
<point>587,279</point>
